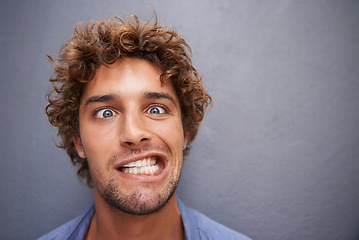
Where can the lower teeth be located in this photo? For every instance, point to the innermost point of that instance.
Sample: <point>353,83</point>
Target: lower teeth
<point>141,170</point>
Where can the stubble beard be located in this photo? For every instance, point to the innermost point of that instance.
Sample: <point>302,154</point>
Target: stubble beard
<point>138,203</point>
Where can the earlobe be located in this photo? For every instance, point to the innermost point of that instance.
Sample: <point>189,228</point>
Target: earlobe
<point>78,145</point>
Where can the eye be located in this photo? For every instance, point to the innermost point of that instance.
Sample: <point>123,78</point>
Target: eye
<point>104,113</point>
<point>156,110</point>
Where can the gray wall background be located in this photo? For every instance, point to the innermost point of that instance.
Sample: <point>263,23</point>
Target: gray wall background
<point>277,156</point>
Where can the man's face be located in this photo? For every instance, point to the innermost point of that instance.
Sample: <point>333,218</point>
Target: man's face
<point>131,134</point>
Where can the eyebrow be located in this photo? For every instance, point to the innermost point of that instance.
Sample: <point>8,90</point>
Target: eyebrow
<point>95,99</point>
<point>147,95</point>
<point>159,95</point>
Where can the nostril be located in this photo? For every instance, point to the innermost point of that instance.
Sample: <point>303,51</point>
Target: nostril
<point>133,143</point>
<point>129,143</point>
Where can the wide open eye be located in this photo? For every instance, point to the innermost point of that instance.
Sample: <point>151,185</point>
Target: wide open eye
<point>105,113</point>
<point>156,110</point>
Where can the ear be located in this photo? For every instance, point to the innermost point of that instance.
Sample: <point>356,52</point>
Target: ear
<point>78,145</point>
<point>186,134</point>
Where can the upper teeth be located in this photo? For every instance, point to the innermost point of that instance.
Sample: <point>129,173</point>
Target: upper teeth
<point>142,163</point>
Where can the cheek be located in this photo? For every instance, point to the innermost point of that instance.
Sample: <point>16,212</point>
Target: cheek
<point>171,133</point>
<point>97,140</point>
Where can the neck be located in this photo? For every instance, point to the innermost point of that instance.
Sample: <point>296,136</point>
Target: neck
<point>109,224</point>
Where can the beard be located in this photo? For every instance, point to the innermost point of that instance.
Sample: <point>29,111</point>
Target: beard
<point>143,200</point>
<point>140,202</point>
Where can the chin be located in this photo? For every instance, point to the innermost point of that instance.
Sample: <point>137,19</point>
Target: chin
<point>141,202</point>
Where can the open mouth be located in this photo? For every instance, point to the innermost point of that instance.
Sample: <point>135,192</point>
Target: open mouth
<point>147,166</point>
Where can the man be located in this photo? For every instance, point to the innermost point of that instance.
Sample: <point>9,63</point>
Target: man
<point>127,102</point>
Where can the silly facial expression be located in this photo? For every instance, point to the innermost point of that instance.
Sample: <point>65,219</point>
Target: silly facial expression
<point>132,136</point>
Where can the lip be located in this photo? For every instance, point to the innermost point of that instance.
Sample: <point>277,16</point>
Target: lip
<point>144,178</point>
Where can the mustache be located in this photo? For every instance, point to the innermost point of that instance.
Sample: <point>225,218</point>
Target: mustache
<point>128,153</point>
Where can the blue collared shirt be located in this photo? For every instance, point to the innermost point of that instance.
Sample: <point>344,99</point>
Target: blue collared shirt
<point>196,225</point>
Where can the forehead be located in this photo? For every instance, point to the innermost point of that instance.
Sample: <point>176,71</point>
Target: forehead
<point>126,77</point>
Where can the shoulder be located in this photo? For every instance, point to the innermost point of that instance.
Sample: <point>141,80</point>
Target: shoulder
<point>62,232</point>
<point>199,226</point>
<point>73,229</point>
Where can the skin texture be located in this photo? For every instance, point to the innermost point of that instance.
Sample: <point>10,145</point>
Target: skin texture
<point>127,114</point>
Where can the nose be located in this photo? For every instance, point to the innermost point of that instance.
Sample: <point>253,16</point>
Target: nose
<point>133,131</point>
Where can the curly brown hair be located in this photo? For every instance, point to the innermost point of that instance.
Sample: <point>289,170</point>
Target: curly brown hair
<point>105,42</point>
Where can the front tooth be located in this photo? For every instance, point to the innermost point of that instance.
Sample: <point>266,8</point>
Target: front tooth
<point>135,170</point>
<point>130,170</point>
